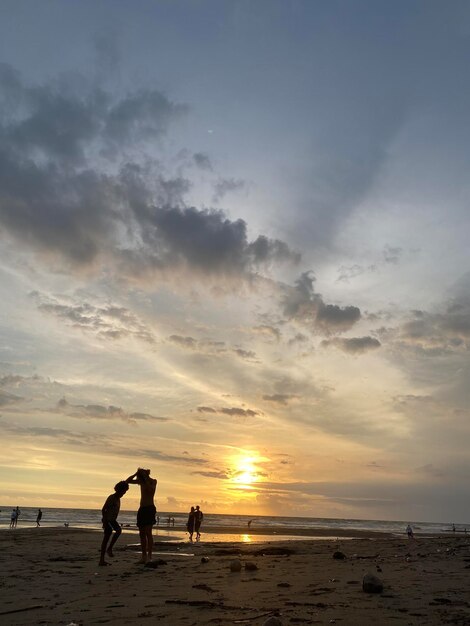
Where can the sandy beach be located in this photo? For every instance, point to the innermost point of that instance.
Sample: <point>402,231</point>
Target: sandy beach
<point>50,576</point>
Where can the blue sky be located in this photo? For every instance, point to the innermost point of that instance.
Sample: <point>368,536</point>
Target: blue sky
<point>234,248</point>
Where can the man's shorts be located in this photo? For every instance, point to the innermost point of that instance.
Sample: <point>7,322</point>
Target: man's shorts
<point>112,525</point>
<point>146,516</point>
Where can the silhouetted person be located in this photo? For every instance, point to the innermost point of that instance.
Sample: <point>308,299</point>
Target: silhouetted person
<point>191,522</point>
<point>198,517</point>
<point>173,521</point>
<point>249,523</point>
<point>13,518</point>
<point>453,528</point>
<point>39,517</point>
<point>18,513</point>
<point>158,520</point>
<point>409,532</point>
<point>110,511</point>
<point>146,515</point>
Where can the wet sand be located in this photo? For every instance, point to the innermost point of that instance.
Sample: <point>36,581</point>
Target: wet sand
<point>50,576</point>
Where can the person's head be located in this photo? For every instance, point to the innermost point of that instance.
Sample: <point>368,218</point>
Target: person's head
<point>192,509</point>
<point>142,475</point>
<point>121,488</point>
<point>197,507</point>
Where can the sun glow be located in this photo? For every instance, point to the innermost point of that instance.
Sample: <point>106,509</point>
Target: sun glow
<point>245,471</point>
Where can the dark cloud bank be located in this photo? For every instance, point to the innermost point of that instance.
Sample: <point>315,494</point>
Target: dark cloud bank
<point>76,190</point>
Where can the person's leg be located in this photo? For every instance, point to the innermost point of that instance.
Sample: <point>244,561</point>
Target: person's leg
<point>149,537</point>
<point>143,544</point>
<point>115,537</point>
<point>104,543</point>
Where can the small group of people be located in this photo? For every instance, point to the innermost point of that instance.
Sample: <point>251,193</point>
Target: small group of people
<point>16,513</point>
<point>14,517</point>
<point>146,516</point>
<point>193,525</point>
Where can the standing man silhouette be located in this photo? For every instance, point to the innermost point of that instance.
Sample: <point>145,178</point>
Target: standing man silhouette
<point>146,515</point>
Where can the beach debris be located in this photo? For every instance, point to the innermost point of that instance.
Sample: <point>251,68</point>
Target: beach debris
<point>274,551</point>
<point>250,566</point>
<point>236,565</point>
<point>339,555</point>
<point>204,559</point>
<point>437,601</point>
<point>204,587</point>
<point>226,551</point>
<point>272,621</point>
<point>372,584</point>
<point>26,608</point>
<point>155,564</point>
<point>284,585</point>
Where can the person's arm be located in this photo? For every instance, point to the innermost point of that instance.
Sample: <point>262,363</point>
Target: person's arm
<point>132,480</point>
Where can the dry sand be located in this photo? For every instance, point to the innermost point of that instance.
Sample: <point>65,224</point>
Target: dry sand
<point>50,576</point>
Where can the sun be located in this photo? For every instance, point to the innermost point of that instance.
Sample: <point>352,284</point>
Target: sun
<point>245,471</point>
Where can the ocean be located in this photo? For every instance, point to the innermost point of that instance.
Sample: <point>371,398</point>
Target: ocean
<point>274,525</point>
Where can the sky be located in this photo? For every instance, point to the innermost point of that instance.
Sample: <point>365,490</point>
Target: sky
<point>234,250</point>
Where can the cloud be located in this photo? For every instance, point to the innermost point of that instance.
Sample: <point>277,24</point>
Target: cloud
<point>279,398</point>
<point>202,161</point>
<point>220,475</point>
<point>267,330</point>
<point>185,342</point>
<point>101,444</point>
<point>231,411</point>
<point>437,333</point>
<point>105,322</point>
<point>244,354</point>
<point>78,190</point>
<point>226,185</point>
<point>98,411</point>
<point>301,303</point>
<point>7,399</point>
<point>354,345</point>
<point>207,346</point>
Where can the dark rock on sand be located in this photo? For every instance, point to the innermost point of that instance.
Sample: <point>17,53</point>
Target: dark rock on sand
<point>372,584</point>
<point>236,565</point>
<point>204,559</point>
<point>155,564</point>
<point>250,566</point>
<point>339,555</point>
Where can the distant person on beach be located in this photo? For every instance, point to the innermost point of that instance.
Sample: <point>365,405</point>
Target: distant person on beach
<point>409,532</point>
<point>110,511</point>
<point>39,517</point>
<point>158,520</point>
<point>453,528</point>
<point>173,521</point>
<point>13,518</point>
<point>18,513</point>
<point>249,523</point>
<point>191,522</point>
<point>198,517</point>
<point>146,515</point>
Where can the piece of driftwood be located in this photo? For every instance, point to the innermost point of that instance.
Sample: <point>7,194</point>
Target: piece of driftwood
<point>250,619</point>
<point>25,608</point>
<point>211,605</point>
